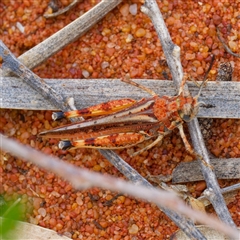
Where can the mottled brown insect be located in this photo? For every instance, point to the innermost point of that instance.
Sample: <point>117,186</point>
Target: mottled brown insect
<point>126,122</point>
<point>225,72</point>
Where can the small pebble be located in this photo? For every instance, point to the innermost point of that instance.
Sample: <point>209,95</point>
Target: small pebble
<point>104,65</point>
<point>79,201</point>
<point>133,9</point>
<point>20,27</point>
<point>140,32</point>
<point>133,229</point>
<point>124,10</point>
<point>42,212</point>
<point>85,73</point>
<point>129,38</point>
<point>190,56</point>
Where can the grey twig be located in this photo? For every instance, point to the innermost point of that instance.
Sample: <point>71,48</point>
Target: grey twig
<point>225,191</point>
<point>37,83</point>
<point>223,169</point>
<point>81,178</point>
<point>222,99</point>
<point>61,11</point>
<point>41,52</point>
<point>172,53</point>
<point>225,45</point>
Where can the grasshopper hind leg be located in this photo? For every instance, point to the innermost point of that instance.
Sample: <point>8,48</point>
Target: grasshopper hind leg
<point>101,109</point>
<point>65,144</point>
<point>189,148</point>
<point>111,141</point>
<point>125,140</point>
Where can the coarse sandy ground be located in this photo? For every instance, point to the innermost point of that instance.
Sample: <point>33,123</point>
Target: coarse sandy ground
<point>121,43</point>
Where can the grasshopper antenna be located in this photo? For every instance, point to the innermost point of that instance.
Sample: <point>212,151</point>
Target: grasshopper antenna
<point>205,76</point>
<point>126,79</point>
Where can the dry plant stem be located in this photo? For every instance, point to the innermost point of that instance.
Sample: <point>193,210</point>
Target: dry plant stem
<point>172,53</point>
<point>81,179</point>
<point>223,168</point>
<point>209,67</point>
<point>39,85</point>
<point>38,54</point>
<point>215,197</point>
<point>232,188</point>
<point>225,190</point>
<point>183,223</point>
<point>225,45</point>
<point>61,11</point>
<point>222,99</point>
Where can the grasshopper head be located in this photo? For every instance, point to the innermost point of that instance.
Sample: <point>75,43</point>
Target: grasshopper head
<point>190,109</point>
<point>191,106</point>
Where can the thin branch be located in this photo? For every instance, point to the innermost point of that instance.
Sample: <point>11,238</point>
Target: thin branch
<point>222,99</point>
<point>172,53</point>
<point>81,179</point>
<point>225,45</point>
<point>216,197</point>
<point>223,169</point>
<point>209,67</point>
<point>41,52</point>
<point>37,83</point>
<point>63,10</point>
<point>225,191</point>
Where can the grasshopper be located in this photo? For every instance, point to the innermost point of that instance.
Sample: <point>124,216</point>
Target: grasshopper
<point>126,122</point>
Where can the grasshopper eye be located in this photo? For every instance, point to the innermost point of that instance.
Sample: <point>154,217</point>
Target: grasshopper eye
<point>186,118</point>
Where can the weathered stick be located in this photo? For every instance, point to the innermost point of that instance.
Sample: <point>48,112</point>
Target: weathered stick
<point>61,11</point>
<point>223,169</point>
<point>225,45</point>
<point>81,178</point>
<point>222,99</point>
<point>37,83</point>
<point>227,192</point>
<point>172,53</point>
<point>38,54</point>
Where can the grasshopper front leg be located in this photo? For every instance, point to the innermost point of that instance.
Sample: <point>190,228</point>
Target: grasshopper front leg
<point>189,148</point>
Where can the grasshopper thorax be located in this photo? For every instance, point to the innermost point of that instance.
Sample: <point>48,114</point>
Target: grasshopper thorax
<point>188,108</point>
<point>172,111</point>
